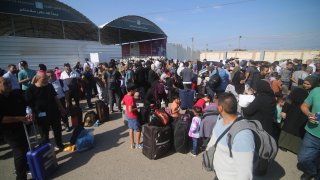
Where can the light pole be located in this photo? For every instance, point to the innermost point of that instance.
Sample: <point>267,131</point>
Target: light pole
<point>239,43</point>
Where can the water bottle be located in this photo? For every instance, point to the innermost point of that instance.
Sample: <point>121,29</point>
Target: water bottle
<point>317,117</point>
<point>29,112</point>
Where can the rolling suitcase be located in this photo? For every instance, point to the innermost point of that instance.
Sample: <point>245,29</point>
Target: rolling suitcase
<point>156,141</point>
<point>181,139</point>
<point>41,159</point>
<point>187,97</point>
<point>102,111</point>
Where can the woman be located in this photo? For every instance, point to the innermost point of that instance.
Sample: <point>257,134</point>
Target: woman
<point>263,107</point>
<point>294,120</point>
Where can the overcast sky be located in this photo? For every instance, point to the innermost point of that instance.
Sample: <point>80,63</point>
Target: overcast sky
<point>218,24</point>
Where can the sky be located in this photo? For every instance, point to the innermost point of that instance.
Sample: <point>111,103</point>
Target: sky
<point>218,24</point>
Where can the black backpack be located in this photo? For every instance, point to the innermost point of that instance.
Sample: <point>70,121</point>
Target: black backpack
<point>215,80</point>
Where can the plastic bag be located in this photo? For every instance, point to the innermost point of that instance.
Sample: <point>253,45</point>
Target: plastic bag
<point>85,140</point>
<point>245,100</point>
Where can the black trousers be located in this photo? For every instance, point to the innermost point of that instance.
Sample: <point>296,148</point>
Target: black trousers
<point>44,124</point>
<point>64,118</point>
<point>18,142</point>
<point>72,94</point>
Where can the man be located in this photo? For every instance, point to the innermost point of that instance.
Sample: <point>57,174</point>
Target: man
<point>311,64</point>
<point>12,115</point>
<point>11,75</point>
<point>187,75</point>
<point>25,76</point>
<point>309,155</point>
<point>112,77</point>
<point>286,75</point>
<point>47,108</point>
<point>298,77</point>
<point>240,165</point>
<point>60,88</point>
<point>251,75</point>
<point>87,62</point>
<point>129,74</point>
<point>223,83</point>
<point>70,78</point>
<point>236,67</point>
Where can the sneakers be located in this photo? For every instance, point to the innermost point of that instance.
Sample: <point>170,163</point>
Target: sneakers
<point>139,146</point>
<point>133,146</point>
<point>193,155</point>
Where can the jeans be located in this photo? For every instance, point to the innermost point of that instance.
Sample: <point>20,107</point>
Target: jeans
<point>309,155</point>
<point>194,146</point>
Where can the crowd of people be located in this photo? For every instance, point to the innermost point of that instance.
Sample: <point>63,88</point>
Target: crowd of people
<point>286,100</point>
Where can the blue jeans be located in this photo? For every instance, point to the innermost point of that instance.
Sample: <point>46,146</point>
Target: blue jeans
<point>194,146</point>
<point>309,155</point>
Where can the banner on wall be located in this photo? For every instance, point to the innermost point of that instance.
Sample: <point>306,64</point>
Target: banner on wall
<point>159,47</point>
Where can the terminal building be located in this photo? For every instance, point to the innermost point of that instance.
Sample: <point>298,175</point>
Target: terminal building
<point>51,32</point>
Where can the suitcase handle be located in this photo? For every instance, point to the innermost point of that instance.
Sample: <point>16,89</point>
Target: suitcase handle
<point>28,137</point>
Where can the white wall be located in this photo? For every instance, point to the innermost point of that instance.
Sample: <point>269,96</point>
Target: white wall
<point>51,52</point>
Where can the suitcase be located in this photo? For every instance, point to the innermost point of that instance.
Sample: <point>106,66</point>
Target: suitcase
<point>41,160</point>
<point>187,97</point>
<point>157,141</point>
<point>102,111</point>
<point>181,139</point>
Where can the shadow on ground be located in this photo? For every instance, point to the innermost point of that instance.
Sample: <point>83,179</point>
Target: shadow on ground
<point>103,142</point>
<point>275,172</point>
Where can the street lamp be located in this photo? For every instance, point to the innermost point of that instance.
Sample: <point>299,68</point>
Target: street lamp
<point>239,43</point>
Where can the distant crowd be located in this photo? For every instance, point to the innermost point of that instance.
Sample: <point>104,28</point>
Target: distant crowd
<point>285,99</point>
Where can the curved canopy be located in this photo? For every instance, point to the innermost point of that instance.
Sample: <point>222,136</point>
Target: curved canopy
<point>44,19</point>
<point>130,29</point>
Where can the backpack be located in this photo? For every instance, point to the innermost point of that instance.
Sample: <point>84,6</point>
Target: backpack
<point>266,147</point>
<point>89,118</point>
<point>265,152</point>
<point>215,80</point>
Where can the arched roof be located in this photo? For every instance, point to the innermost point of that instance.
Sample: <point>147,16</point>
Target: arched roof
<point>130,29</point>
<point>45,19</point>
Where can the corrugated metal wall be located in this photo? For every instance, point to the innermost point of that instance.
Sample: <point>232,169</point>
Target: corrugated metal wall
<point>52,52</point>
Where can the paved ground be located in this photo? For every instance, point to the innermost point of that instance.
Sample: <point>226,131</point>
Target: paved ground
<point>111,159</point>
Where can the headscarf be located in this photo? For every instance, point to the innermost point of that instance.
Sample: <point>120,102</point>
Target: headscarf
<point>263,87</point>
<point>313,81</point>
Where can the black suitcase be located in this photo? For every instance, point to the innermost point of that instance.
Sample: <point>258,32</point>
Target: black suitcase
<point>102,111</point>
<point>181,138</point>
<point>156,141</point>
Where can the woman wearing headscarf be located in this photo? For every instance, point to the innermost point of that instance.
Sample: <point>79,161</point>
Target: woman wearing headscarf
<point>294,119</point>
<point>263,107</point>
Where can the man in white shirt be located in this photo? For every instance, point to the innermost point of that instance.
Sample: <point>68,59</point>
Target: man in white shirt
<point>11,75</point>
<point>60,87</point>
<point>88,63</point>
<point>239,166</point>
<point>70,79</point>
<point>311,64</point>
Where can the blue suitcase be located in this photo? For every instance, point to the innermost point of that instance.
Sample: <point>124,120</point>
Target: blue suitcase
<point>187,98</point>
<point>42,160</point>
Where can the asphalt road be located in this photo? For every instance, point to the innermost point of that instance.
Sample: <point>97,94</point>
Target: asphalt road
<point>111,158</point>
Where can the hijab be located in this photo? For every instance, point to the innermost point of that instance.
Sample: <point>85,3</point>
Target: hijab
<point>313,81</point>
<point>264,88</point>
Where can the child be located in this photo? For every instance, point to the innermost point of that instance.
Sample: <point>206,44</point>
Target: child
<point>194,129</point>
<point>175,108</point>
<point>201,102</point>
<point>131,112</point>
<point>277,124</point>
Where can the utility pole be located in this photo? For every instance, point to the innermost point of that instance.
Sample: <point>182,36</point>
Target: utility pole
<point>206,50</point>
<point>192,47</point>
<point>239,43</point>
